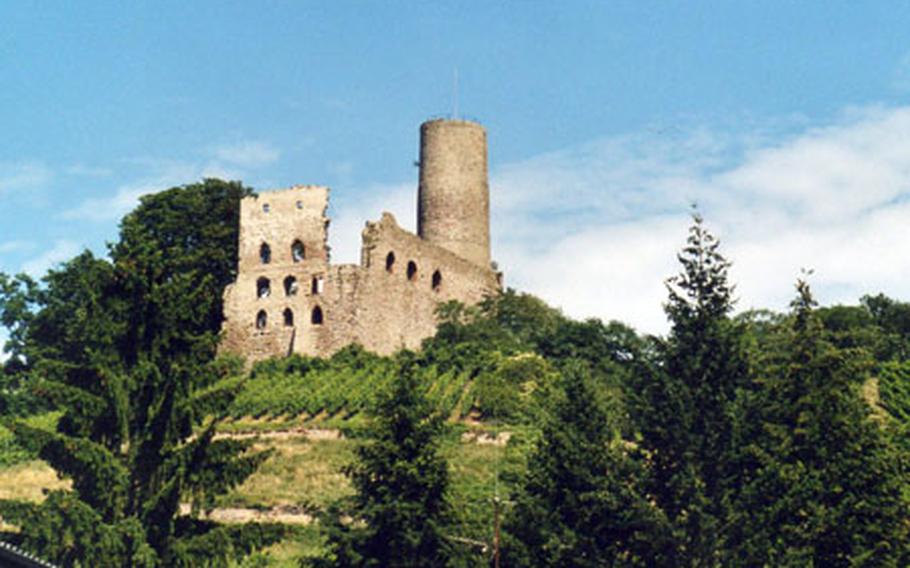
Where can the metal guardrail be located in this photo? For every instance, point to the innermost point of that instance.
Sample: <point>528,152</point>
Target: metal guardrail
<point>14,557</point>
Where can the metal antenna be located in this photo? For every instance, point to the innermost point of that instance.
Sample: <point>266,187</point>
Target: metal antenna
<point>455,94</point>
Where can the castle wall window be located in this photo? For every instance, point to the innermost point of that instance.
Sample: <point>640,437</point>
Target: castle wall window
<point>298,252</point>
<point>412,271</point>
<point>288,318</point>
<point>317,285</point>
<point>261,319</point>
<point>437,281</point>
<point>300,205</point>
<point>316,316</point>
<point>263,288</point>
<point>389,262</point>
<point>265,253</point>
<point>290,286</point>
<point>265,208</point>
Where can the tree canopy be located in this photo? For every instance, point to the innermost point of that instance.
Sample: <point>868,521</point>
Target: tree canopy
<point>125,349</point>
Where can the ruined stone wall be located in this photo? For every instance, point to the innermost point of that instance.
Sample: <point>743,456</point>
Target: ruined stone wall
<point>288,299</point>
<point>401,281</point>
<point>386,303</point>
<point>282,221</point>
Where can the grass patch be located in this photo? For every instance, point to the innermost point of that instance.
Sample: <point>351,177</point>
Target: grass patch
<point>300,472</point>
<point>302,542</point>
<point>11,453</point>
<point>27,481</point>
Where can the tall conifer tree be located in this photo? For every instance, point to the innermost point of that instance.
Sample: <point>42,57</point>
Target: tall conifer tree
<point>399,513</point>
<point>819,482</point>
<point>581,501</point>
<point>683,405</point>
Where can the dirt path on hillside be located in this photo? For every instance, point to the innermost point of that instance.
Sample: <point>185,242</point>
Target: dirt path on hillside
<point>317,434</point>
<point>308,433</point>
<point>235,515</point>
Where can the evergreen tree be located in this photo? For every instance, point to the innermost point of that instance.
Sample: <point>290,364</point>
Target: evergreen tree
<point>821,483</point>
<point>580,502</point>
<point>399,512</point>
<point>683,405</point>
<point>125,349</point>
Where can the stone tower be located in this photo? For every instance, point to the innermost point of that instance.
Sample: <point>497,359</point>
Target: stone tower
<point>453,197</point>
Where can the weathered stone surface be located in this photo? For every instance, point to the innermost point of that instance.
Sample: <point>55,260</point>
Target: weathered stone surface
<point>388,301</point>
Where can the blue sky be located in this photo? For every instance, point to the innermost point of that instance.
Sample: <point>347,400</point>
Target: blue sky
<point>787,122</point>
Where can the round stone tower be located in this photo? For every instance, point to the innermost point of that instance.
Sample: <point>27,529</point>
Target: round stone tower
<point>453,198</point>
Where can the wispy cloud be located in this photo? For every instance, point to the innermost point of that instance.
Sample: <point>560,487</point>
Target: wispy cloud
<point>15,246</point>
<point>225,162</point>
<point>82,170</point>
<point>126,196</point>
<point>17,176</point>
<point>4,336</point>
<point>249,154</point>
<point>61,251</point>
<point>594,229</point>
<point>349,215</point>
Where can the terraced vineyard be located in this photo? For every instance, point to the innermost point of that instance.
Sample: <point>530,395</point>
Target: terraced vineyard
<point>340,388</point>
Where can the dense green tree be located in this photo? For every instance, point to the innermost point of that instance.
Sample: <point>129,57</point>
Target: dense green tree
<point>581,501</point>
<point>819,483</point>
<point>516,391</point>
<point>399,512</point>
<point>125,348</point>
<point>683,405</point>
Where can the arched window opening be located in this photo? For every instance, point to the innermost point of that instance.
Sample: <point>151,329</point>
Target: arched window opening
<point>389,262</point>
<point>288,317</point>
<point>263,288</point>
<point>265,253</point>
<point>261,319</point>
<point>437,281</point>
<point>298,252</point>
<point>316,317</point>
<point>317,285</point>
<point>290,286</point>
<point>412,271</point>
<point>266,208</point>
<point>300,205</point>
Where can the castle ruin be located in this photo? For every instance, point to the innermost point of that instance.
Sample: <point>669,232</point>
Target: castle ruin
<point>288,297</point>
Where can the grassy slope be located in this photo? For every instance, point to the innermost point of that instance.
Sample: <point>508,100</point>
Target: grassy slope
<point>306,473</point>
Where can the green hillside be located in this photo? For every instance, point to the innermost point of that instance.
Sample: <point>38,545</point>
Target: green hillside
<point>758,439</point>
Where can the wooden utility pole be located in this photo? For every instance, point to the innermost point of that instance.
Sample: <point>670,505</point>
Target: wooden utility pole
<point>496,504</point>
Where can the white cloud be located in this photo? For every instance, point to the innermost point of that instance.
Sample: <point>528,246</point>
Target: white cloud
<point>349,216</point>
<point>82,170</point>
<point>227,162</point>
<point>22,176</point>
<point>61,251</point>
<point>249,154</point>
<point>4,336</point>
<point>594,229</point>
<point>126,196</point>
<point>15,246</point>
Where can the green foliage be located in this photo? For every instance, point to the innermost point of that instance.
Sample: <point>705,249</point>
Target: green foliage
<point>399,511</point>
<point>819,483</point>
<point>12,451</point>
<point>125,349</point>
<point>580,503</point>
<point>683,406</point>
<point>894,390</point>
<point>516,390</point>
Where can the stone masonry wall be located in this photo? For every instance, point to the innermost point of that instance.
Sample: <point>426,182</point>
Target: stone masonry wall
<point>288,298</point>
<point>380,304</point>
